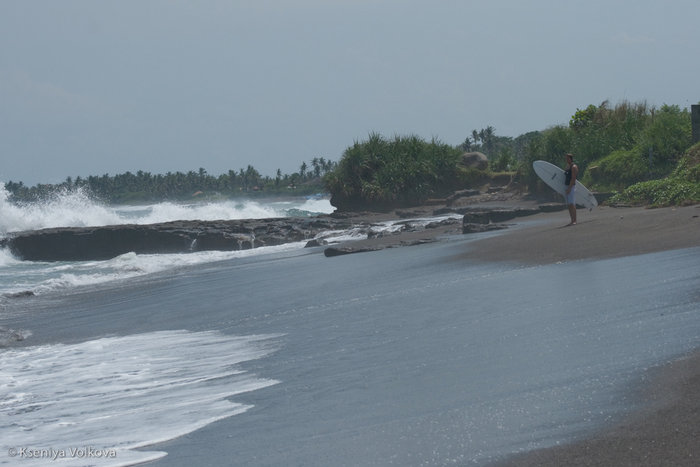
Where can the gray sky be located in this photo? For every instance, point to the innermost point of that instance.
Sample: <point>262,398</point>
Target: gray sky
<point>92,87</point>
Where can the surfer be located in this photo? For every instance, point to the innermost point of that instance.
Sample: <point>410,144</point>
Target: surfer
<point>570,174</point>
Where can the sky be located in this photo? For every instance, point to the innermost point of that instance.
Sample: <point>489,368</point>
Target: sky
<point>104,87</point>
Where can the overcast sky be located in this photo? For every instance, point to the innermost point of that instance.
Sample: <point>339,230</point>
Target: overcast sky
<point>93,87</point>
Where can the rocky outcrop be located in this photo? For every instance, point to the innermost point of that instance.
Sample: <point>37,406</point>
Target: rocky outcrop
<point>475,160</point>
<point>99,243</point>
<point>488,216</point>
<point>363,247</point>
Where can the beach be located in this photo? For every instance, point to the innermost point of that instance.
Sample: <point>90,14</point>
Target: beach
<point>606,232</point>
<point>426,347</point>
<point>663,433</point>
<point>666,430</point>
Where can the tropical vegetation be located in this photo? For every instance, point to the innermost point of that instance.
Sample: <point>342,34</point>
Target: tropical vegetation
<point>385,173</point>
<point>144,186</point>
<point>681,187</point>
<point>632,148</point>
<point>640,153</point>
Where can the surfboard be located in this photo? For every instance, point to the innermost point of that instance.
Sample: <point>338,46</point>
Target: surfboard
<point>554,177</point>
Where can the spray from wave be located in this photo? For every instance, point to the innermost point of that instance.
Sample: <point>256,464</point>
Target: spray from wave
<point>64,208</point>
<point>78,208</point>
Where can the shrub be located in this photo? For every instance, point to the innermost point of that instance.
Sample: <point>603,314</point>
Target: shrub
<point>688,167</point>
<point>380,173</point>
<point>657,193</point>
<point>681,187</point>
<point>617,170</point>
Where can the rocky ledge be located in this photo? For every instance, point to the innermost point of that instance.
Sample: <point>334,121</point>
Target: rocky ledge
<point>474,220</point>
<point>100,243</point>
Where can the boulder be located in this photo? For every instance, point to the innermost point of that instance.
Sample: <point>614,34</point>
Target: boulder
<point>475,160</point>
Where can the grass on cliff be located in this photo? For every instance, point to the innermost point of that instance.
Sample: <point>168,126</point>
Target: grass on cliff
<point>681,187</point>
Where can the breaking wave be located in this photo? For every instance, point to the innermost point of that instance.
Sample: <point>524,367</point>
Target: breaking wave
<point>77,208</point>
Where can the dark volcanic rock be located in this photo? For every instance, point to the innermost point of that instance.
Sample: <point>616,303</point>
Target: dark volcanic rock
<point>487,216</point>
<point>346,250</point>
<point>478,228</point>
<point>99,243</point>
<point>22,294</point>
<point>461,194</point>
<point>362,247</point>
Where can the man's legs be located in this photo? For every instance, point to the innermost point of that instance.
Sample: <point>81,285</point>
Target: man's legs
<point>572,213</point>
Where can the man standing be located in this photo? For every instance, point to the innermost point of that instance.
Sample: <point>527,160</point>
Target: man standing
<point>570,173</point>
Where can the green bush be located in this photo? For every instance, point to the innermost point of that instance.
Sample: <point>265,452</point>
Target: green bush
<point>380,173</point>
<point>681,187</point>
<point>667,135</point>
<point>658,193</point>
<point>688,167</point>
<point>617,170</point>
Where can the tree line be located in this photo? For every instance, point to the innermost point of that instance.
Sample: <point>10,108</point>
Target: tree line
<point>640,151</point>
<point>145,186</point>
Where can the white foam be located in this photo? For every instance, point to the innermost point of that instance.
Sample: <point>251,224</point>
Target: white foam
<point>6,258</point>
<point>42,278</point>
<point>76,208</point>
<point>321,205</point>
<point>115,394</point>
<point>224,210</point>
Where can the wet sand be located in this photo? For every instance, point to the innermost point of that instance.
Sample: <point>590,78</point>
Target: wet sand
<point>605,232</point>
<point>667,431</point>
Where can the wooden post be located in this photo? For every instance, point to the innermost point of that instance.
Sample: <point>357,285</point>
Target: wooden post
<point>695,118</point>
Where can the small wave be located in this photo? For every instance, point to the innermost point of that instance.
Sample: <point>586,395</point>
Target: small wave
<point>20,294</point>
<point>43,278</point>
<point>9,336</point>
<point>121,393</point>
<point>7,259</point>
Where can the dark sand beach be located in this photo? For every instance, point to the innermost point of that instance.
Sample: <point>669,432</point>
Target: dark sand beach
<point>408,356</point>
<point>605,232</point>
<point>667,431</point>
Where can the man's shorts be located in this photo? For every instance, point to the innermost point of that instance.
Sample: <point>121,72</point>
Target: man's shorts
<point>571,197</point>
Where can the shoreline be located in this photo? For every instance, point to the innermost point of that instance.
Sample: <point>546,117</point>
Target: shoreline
<point>605,232</point>
<point>664,429</point>
<point>545,238</point>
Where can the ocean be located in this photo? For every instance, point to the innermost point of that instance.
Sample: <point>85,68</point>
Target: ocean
<point>282,356</point>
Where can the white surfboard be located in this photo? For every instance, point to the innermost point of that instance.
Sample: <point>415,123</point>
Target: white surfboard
<point>554,177</point>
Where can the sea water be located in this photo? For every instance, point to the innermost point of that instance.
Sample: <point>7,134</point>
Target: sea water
<point>405,356</point>
<point>78,209</point>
